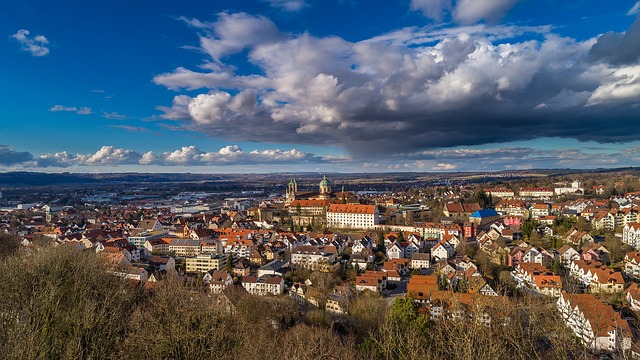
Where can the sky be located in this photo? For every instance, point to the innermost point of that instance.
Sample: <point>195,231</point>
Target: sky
<point>217,86</point>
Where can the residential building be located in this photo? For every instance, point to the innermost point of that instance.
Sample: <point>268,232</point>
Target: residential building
<point>264,285</point>
<point>595,323</point>
<point>536,192</point>
<point>631,235</point>
<point>314,257</point>
<point>205,262</point>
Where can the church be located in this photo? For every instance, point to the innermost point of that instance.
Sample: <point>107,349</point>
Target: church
<point>323,193</point>
<point>310,207</point>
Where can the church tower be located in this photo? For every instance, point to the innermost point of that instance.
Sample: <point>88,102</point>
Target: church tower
<point>325,188</point>
<point>292,189</point>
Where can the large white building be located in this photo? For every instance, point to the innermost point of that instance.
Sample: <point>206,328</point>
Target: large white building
<point>595,323</point>
<point>352,216</point>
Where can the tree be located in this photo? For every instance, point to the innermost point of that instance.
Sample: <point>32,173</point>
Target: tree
<point>229,265</point>
<point>527,227</point>
<point>403,311</point>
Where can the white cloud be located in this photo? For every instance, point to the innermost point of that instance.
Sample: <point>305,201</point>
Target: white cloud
<point>110,155</point>
<point>426,87</point>
<point>622,85</point>
<point>114,116</point>
<point>635,9</point>
<point>78,110</point>
<point>471,11</point>
<point>287,5</point>
<point>35,45</point>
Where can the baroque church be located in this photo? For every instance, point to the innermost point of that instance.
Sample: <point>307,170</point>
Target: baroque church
<point>324,192</point>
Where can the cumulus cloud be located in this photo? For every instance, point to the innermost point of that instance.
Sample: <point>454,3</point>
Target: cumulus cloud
<point>35,45</point>
<point>635,9</point>
<point>8,156</point>
<point>618,48</point>
<point>414,88</point>
<point>78,110</point>
<point>185,156</point>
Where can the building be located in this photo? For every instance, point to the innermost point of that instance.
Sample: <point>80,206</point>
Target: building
<point>314,257</point>
<point>352,216</point>
<point>460,211</point>
<point>536,192</point>
<point>140,239</point>
<point>500,192</point>
<point>264,285</point>
<point>631,235</point>
<point>205,262</point>
<point>218,280</point>
<point>596,324</point>
<point>185,247</point>
<point>574,189</point>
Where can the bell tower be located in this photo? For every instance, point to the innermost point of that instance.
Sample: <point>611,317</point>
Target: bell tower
<point>292,189</point>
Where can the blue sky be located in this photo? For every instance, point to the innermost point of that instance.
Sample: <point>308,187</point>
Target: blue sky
<point>310,85</point>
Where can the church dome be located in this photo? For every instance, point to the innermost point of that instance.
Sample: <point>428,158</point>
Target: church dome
<point>325,182</point>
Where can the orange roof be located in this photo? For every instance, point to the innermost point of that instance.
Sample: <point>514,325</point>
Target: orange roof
<point>352,209</point>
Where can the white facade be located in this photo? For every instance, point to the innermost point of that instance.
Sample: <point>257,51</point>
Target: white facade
<point>352,216</point>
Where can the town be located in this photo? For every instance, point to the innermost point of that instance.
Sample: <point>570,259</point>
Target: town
<point>460,250</point>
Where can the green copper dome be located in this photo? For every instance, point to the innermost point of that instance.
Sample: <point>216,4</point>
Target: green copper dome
<point>325,181</point>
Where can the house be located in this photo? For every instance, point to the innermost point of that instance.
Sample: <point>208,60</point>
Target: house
<point>460,211</point>
<point>264,285</point>
<point>218,280</point>
<point>442,250</point>
<point>631,235</point>
<point>420,261</point>
<point>162,263</point>
<point>539,210</point>
<point>395,251</point>
<point>536,278</point>
<point>239,248</point>
<point>538,256</point>
<point>567,254</point>
<point>595,323</point>
<point>514,208</point>
<point>595,252</point>
<point>632,264</point>
<point>375,281</point>
<point>337,304</point>
<point>633,296</point>
<point>241,269</point>
<point>577,237</point>
<point>483,217</point>
<point>596,276</point>
<point>603,220</point>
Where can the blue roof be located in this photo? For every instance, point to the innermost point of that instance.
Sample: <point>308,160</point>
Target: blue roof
<point>484,213</point>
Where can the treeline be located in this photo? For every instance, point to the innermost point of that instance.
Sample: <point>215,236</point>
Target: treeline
<point>60,303</point>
